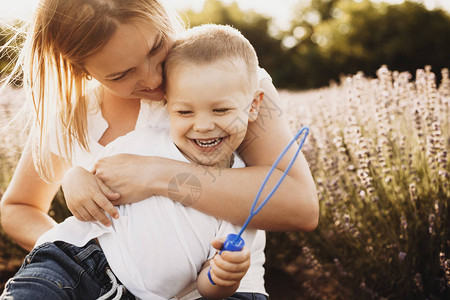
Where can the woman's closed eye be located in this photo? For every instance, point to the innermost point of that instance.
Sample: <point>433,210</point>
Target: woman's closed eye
<point>157,46</point>
<point>155,49</point>
<point>120,76</point>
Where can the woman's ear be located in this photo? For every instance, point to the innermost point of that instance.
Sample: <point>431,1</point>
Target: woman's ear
<point>256,103</point>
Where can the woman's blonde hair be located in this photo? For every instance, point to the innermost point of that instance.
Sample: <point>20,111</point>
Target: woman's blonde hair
<point>62,35</point>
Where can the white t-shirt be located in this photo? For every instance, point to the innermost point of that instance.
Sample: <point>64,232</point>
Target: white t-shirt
<point>157,247</point>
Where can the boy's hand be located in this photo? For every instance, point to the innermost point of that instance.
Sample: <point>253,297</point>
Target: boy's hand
<point>87,197</point>
<point>228,268</point>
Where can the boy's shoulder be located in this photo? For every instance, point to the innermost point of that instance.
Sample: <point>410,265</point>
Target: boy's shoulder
<point>153,114</point>
<point>146,141</point>
<point>238,162</point>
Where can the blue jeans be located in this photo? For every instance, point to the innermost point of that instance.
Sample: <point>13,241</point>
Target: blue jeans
<point>245,296</point>
<point>63,271</point>
<point>59,271</point>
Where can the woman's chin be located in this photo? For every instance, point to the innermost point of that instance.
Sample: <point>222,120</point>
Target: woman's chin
<point>154,95</point>
<point>151,96</point>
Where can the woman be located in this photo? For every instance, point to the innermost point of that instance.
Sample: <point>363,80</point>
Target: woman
<point>71,42</point>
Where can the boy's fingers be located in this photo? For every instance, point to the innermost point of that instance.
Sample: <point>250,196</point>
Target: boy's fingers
<point>222,278</point>
<point>229,266</point>
<point>235,257</point>
<point>220,282</point>
<point>228,278</point>
<point>107,206</point>
<point>218,243</point>
<point>107,191</point>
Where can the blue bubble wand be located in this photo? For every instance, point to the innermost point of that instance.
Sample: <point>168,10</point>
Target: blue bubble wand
<point>234,242</point>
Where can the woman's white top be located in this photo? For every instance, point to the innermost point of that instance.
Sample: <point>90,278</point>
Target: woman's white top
<point>157,247</point>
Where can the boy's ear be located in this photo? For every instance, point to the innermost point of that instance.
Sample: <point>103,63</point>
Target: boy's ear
<point>255,105</point>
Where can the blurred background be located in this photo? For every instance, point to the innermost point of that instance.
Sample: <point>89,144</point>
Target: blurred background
<point>308,43</point>
<point>371,79</point>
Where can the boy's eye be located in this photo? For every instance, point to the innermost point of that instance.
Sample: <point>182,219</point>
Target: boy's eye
<point>221,110</point>
<point>184,112</point>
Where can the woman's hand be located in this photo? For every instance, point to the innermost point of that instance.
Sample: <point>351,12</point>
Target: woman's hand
<point>87,197</point>
<point>127,174</point>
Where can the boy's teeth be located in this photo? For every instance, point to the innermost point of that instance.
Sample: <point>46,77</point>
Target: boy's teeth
<point>208,143</point>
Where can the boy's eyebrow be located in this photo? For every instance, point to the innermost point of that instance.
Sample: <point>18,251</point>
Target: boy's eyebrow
<point>155,42</point>
<point>179,101</point>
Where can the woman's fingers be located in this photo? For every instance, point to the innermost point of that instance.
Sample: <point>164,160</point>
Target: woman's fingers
<point>79,215</point>
<point>84,215</point>
<point>103,200</point>
<point>108,192</point>
<point>92,212</point>
<point>99,206</point>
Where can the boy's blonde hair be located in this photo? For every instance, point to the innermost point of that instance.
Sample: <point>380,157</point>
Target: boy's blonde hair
<point>210,43</point>
<point>63,34</point>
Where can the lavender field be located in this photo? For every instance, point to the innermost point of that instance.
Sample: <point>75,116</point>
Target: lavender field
<point>378,151</point>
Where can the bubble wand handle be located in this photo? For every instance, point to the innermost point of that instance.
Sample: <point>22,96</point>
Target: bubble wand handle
<point>234,242</point>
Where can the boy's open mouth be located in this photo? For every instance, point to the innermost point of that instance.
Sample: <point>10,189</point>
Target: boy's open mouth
<point>207,143</point>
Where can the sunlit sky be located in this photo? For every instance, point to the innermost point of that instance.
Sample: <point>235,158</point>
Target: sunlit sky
<point>279,10</point>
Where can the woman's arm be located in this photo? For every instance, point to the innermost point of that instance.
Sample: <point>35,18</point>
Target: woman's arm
<point>228,193</point>
<point>26,202</point>
<point>296,200</point>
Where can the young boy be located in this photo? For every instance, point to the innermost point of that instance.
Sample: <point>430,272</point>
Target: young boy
<point>158,248</point>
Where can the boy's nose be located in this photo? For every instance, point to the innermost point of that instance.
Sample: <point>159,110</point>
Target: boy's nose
<point>203,123</point>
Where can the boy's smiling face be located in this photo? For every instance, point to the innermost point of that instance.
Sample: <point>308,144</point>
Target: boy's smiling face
<point>209,109</point>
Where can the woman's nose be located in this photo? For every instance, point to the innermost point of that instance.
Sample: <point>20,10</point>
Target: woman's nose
<point>151,76</point>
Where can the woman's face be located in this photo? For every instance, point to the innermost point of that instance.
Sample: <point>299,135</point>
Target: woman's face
<point>130,65</point>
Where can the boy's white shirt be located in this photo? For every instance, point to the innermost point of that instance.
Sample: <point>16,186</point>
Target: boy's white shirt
<point>180,234</point>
